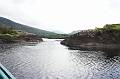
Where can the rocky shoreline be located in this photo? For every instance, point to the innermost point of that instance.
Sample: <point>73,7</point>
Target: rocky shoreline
<point>103,39</point>
<point>9,35</point>
<point>97,46</point>
<point>6,39</point>
<point>109,50</point>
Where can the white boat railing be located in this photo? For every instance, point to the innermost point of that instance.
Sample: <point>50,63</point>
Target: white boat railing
<point>5,74</point>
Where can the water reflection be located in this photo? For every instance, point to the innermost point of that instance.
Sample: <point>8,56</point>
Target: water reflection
<point>112,53</point>
<point>108,52</point>
<point>50,60</point>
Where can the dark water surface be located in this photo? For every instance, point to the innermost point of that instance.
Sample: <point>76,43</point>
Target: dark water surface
<point>51,60</point>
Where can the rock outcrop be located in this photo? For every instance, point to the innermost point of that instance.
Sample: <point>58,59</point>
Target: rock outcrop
<point>98,39</point>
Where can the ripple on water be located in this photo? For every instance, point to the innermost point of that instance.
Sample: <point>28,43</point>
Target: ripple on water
<point>50,60</point>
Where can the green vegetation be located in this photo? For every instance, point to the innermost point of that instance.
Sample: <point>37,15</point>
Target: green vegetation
<point>16,26</point>
<point>7,31</point>
<point>108,36</point>
<point>7,35</point>
<point>12,36</point>
<point>109,33</point>
<point>110,27</point>
<point>11,31</point>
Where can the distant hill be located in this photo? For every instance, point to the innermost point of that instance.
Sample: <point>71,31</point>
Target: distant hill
<point>58,32</point>
<point>4,22</point>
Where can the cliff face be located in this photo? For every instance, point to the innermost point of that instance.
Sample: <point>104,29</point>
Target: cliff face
<point>98,38</point>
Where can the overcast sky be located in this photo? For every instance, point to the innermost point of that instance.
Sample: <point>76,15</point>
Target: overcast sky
<point>62,15</point>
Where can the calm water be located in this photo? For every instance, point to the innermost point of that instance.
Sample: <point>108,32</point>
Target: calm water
<point>51,60</point>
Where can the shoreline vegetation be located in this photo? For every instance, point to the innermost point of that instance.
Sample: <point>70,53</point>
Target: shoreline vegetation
<point>12,36</point>
<point>9,24</point>
<point>106,38</point>
<point>17,36</point>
